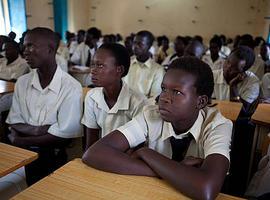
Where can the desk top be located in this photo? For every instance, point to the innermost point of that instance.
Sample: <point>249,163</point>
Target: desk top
<point>75,180</point>
<point>262,115</point>
<point>12,158</point>
<point>6,87</point>
<point>229,109</point>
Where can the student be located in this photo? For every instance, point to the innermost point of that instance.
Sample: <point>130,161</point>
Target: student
<point>111,104</point>
<point>129,44</point>
<point>234,82</point>
<point>265,85</point>
<point>214,60</point>
<point>73,44</point>
<point>194,48</point>
<point>163,50</point>
<point>179,47</point>
<point>86,50</point>
<point>145,75</point>
<point>13,65</point>
<point>199,166</point>
<point>46,108</point>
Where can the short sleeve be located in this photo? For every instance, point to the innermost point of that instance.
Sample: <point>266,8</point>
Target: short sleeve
<point>89,118</point>
<point>218,140</point>
<point>251,91</point>
<point>135,130</point>
<point>69,115</point>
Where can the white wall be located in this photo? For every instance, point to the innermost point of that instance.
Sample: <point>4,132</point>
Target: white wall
<point>173,17</point>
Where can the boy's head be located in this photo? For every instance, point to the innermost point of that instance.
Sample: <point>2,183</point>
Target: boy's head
<point>179,45</point>
<point>40,46</point>
<point>186,88</point>
<point>165,43</point>
<point>92,36</point>
<point>239,61</point>
<point>110,63</point>
<point>265,51</point>
<point>194,48</point>
<point>12,50</point>
<point>142,43</point>
<point>80,36</point>
<point>215,45</point>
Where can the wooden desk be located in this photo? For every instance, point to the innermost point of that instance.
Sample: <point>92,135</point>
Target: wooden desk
<point>75,180</point>
<point>229,109</point>
<point>12,158</point>
<point>6,87</point>
<point>262,115</point>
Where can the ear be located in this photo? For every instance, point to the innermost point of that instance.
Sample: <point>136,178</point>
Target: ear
<point>120,69</point>
<point>202,101</point>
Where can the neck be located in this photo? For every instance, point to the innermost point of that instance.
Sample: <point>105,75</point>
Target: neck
<point>214,57</point>
<point>111,93</point>
<point>179,54</point>
<point>46,73</point>
<point>143,58</point>
<point>183,126</point>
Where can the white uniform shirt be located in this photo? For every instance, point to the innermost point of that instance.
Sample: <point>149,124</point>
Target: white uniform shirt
<point>168,60</point>
<point>61,62</point>
<point>98,115</point>
<point>145,78</point>
<point>14,70</point>
<point>211,132</point>
<point>218,64</point>
<point>266,86</point>
<point>59,104</point>
<point>248,89</point>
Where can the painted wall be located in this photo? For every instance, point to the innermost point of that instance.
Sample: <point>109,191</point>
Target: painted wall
<point>172,17</point>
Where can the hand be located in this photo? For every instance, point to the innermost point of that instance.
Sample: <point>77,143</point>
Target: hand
<point>240,77</point>
<point>13,137</point>
<point>138,153</point>
<point>192,161</point>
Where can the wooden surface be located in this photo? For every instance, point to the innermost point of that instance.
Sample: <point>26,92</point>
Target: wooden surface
<point>75,180</point>
<point>262,115</point>
<point>12,158</point>
<point>228,109</point>
<point>6,87</point>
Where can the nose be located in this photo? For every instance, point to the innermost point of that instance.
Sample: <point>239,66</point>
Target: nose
<point>165,97</point>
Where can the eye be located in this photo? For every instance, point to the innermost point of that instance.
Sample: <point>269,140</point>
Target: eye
<point>163,89</point>
<point>177,92</point>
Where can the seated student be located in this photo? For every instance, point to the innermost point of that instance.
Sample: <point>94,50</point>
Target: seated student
<point>111,104</point>
<point>225,50</point>
<point>145,75</point>
<point>128,44</point>
<point>164,50</point>
<point>179,47</point>
<point>46,107</point>
<point>181,127</point>
<point>234,82</point>
<point>214,60</point>
<point>194,48</point>
<point>13,65</point>
<point>265,86</point>
<point>79,39</point>
<point>86,50</point>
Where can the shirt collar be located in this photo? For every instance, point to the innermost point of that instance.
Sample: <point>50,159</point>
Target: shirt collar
<point>122,102</point>
<point>195,130</point>
<point>147,63</point>
<point>55,83</point>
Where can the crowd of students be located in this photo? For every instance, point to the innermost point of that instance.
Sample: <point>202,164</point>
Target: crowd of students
<point>149,112</point>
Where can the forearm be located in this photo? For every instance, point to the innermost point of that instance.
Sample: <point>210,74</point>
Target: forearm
<point>112,160</point>
<point>40,141</point>
<point>193,182</point>
<point>234,95</point>
<point>30,130</point>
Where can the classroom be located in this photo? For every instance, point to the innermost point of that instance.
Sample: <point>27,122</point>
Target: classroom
<point>145,99</point>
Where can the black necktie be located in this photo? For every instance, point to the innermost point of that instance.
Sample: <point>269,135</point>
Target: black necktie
<point>88,62</point>
<point>180,146</point>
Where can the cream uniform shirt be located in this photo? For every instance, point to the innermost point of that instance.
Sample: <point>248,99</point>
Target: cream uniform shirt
<point>14,70</point>
<point>218,64</point>
<point>145,77</point>
<point>97,114</point>
<point>211,131</point>
<point>248,89</point>
<point>59,104</point>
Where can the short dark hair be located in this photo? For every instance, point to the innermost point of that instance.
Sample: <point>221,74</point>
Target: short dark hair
<point>245,53</point>
<point>148,35</point>
<point>47,34</point>
<point>120,53</point>
<point>14,44</point>
<point>95,32</point>
<point>216,40</point>
<point>204,76</point>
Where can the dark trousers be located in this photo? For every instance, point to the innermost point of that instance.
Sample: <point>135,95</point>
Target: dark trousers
<point>48,161</point>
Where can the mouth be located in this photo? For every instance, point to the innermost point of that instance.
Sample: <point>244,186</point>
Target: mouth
<point>163,111</point>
